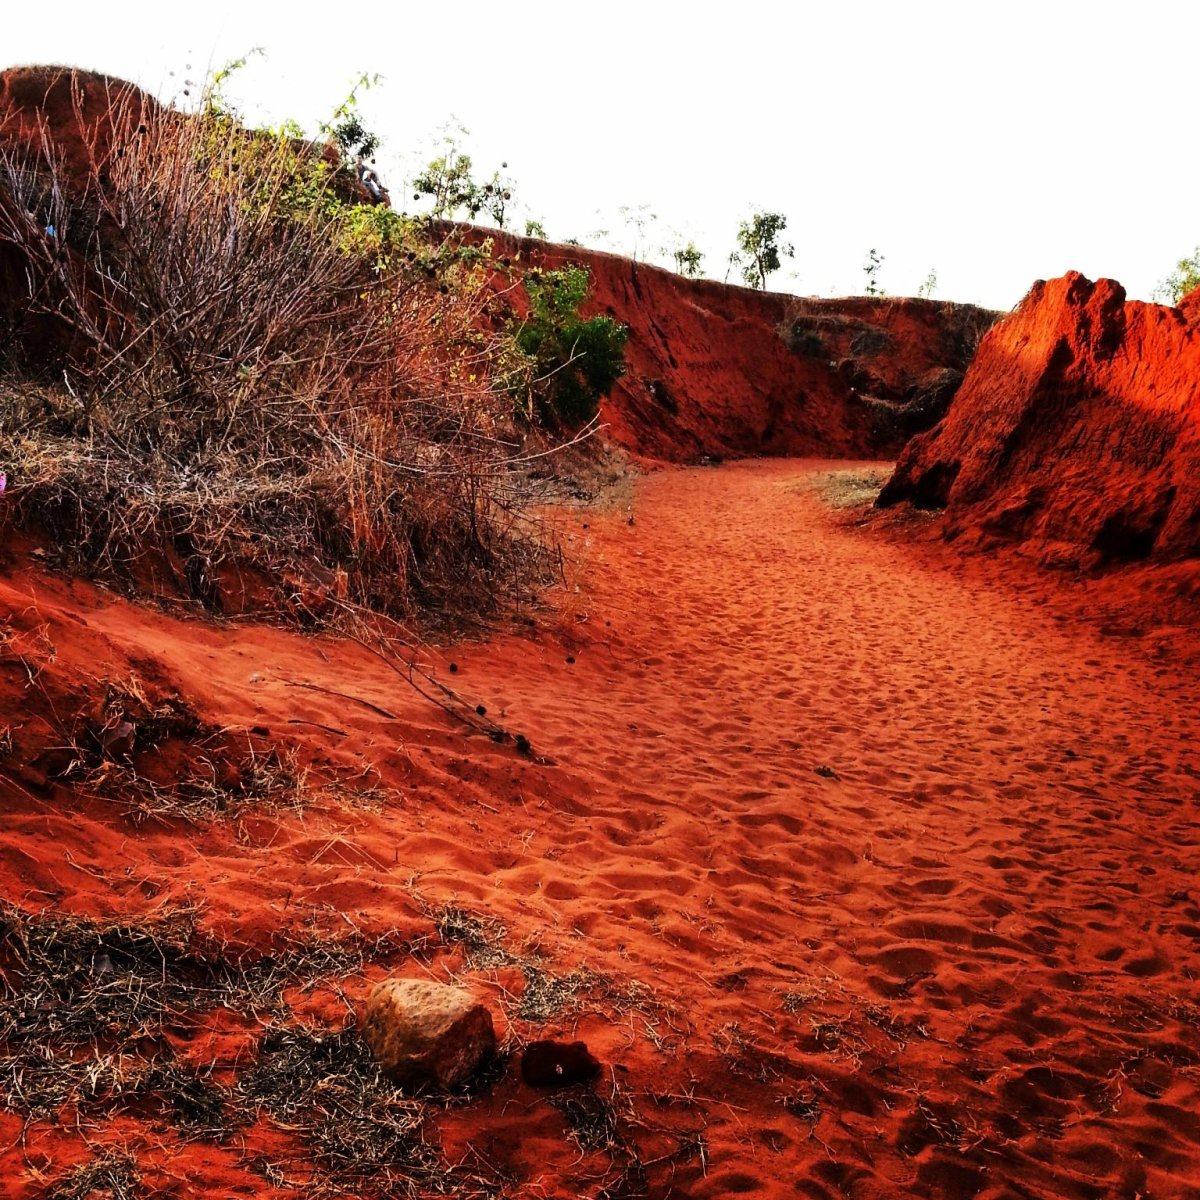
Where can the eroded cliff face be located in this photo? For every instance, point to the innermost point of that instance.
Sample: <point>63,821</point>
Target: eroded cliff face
<point>722,371</point>
<point>713,370</point>
<point>1076,431</point>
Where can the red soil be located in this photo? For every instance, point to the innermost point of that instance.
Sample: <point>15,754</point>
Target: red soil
<point>902,850</point>
<point>68,112</point>
<point>711,372</point>
<point>1076,432</point>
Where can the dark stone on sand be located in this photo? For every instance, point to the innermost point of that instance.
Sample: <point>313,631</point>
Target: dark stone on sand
<point>558,1064</point>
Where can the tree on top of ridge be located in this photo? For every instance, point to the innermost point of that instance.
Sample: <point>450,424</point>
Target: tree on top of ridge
<point>449,183</point>
<point>759,247</point>
<point>1185,278</point>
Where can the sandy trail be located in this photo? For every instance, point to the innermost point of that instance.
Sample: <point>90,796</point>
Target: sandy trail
<point>1004,854</point>
<point>906,860</point>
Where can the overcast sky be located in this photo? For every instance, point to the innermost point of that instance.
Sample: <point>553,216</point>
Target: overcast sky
<point>995,144</point>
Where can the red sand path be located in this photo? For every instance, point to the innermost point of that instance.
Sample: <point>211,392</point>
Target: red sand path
<point>958,960</point>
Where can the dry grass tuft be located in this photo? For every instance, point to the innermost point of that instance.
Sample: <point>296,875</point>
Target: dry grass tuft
<point>112,1175</point>
<point>326,1088</point>
<point>480,937</point>
<point>89,1012</point>
<point>315,402</point>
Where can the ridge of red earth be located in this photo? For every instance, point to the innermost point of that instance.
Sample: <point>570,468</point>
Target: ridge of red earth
<point>720,371</point>
<point>67,119</point>
<point>714,371</point>
<point>1075,435</point>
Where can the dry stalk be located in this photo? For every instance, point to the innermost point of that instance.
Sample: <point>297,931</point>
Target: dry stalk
<point>260,379</point>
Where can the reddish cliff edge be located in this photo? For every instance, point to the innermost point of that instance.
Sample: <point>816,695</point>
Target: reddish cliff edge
<point>714,370</point>
<point>1075,433</point>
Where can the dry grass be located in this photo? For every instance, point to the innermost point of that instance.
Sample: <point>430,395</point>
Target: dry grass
<point>111,1174</point>
<point>852,487</point>
<point>326,1088</point>
<point>89,1011</point>
<point>74,981</point>
<point>314,393</point>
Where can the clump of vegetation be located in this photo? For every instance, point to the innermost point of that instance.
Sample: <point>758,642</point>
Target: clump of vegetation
<point>260,372</point>
<point>111,1173</point>
<point>759,248</point>
<point>871,269</point>
<point>327,1088</point>
<point>688,261</point>
<point>1185,278</point>
<point>448,183</point>
<point>572,361</point>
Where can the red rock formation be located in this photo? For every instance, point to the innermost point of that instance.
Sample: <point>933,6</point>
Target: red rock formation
<point>1076,431</point>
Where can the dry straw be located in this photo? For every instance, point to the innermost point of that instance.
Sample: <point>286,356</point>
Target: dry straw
<point>251,374</point>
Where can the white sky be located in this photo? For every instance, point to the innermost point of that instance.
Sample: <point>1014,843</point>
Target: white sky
<point>995,143</point>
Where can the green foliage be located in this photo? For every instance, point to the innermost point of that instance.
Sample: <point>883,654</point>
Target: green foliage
<point>871,269</point>
<point>535,229</point>
<point>926,290</point>
<point>353,138</point>
<point>345,127</point>
<point>573,361</point>
<point>213,99</point>
<point>688,260</point>
<point>1182,280</point>
<point>447,180</point>
<point>760,248</point>
<point>496,195</point>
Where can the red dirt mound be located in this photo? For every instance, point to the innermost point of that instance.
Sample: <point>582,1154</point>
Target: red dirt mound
<point>1076,432</point>
<point>55,122</point>
<point>65,111</point>
<point>722,371</point>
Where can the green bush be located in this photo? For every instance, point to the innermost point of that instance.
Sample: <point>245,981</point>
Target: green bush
<point>573,361</point>
<point>1182,280</point>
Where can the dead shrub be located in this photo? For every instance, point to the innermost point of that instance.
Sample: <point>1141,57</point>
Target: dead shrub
<point>263,375</point>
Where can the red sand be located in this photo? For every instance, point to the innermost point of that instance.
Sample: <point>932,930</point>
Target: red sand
<point>905,853</point>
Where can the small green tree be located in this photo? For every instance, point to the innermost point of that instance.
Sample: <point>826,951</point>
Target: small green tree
<point>496,195</point>
<point>535,229</point>
<point>688,260</point>
<point>1185,278</point>
<point>447,181</point>
<point>760,248</point>
<point>345,127</point>
<point>573,361</point>
<point>871,267</point>
<point>926,290</point>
